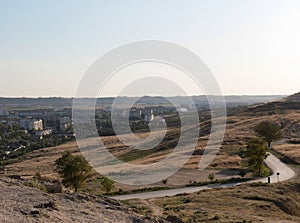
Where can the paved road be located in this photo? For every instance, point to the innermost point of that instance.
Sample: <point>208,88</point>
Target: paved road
<point>285,173</point>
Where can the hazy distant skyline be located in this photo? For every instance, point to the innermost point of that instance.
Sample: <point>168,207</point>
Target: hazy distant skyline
<point>251,46</point>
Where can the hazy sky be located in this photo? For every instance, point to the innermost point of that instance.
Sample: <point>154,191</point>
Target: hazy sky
<point>251,46</point>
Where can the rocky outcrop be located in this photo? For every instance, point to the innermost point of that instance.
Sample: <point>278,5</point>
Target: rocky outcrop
<point>19,203</point>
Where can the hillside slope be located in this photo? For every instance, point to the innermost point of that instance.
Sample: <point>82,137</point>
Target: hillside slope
<point>19,203</point>
<point>285,112</point>
<point>245,203</point>
<point>293,98</point>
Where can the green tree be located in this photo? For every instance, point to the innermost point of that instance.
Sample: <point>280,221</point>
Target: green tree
<point>74,170</point>
<point>165,181</point>
<point>268,131</point>
<point>211,176</point>
<point>256,152</point>
<point>107,184</point>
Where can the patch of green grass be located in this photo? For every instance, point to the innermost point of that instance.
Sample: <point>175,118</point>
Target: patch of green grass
<point>265,171</point>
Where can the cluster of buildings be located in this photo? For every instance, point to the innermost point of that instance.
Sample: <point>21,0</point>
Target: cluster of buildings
<point>42,133</point>
<point>40,128</point>
<point>40,122</point>
<point>65,124</point>
<point>154,114</point>
<point>49,124</point>
<point>31,124</point>
<point>147,113</point>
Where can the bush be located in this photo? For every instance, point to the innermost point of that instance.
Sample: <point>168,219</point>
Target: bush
<point>46,184</point>
<point>52,185</point>
<point>36,182</point>
<point>107,184</point>
<point>211,176</point>
<point>165,181</point>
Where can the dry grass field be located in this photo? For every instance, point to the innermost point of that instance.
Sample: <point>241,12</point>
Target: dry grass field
<point>246,203</point>
<point>41,160</point>
<point>290,150</point>
<point>226,163</point>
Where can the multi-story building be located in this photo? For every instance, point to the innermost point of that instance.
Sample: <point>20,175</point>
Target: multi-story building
<point>65,124</point>
<point>31,124</point>
<point>149,116</point>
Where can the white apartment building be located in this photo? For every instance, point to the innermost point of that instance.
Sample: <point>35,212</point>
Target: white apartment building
<point>31,124</point>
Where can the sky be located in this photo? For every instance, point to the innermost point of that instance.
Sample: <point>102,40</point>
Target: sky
<point>251,46</point>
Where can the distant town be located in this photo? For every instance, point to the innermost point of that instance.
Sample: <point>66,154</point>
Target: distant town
<point>26,125</point>
<point>23,130</point>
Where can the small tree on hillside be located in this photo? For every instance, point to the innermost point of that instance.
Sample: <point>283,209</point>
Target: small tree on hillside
<point>211,176</point>
<point>268,131</point>
<point>165,181</point>
<point>256,152</point>
<point>74,170</point>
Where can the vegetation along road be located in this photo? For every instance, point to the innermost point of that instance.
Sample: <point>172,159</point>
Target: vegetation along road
<point>285,173</point>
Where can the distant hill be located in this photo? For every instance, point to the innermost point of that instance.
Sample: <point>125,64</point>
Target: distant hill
<point>285,112</point>
<point>288,103</point>
<point>293,98</point>
<point>200,101</point>
<point>35,102</point>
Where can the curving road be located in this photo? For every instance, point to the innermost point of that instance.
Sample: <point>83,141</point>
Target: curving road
<point>285,173</point>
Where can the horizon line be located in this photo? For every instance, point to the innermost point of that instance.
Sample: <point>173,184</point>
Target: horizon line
<point>72,97</point>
